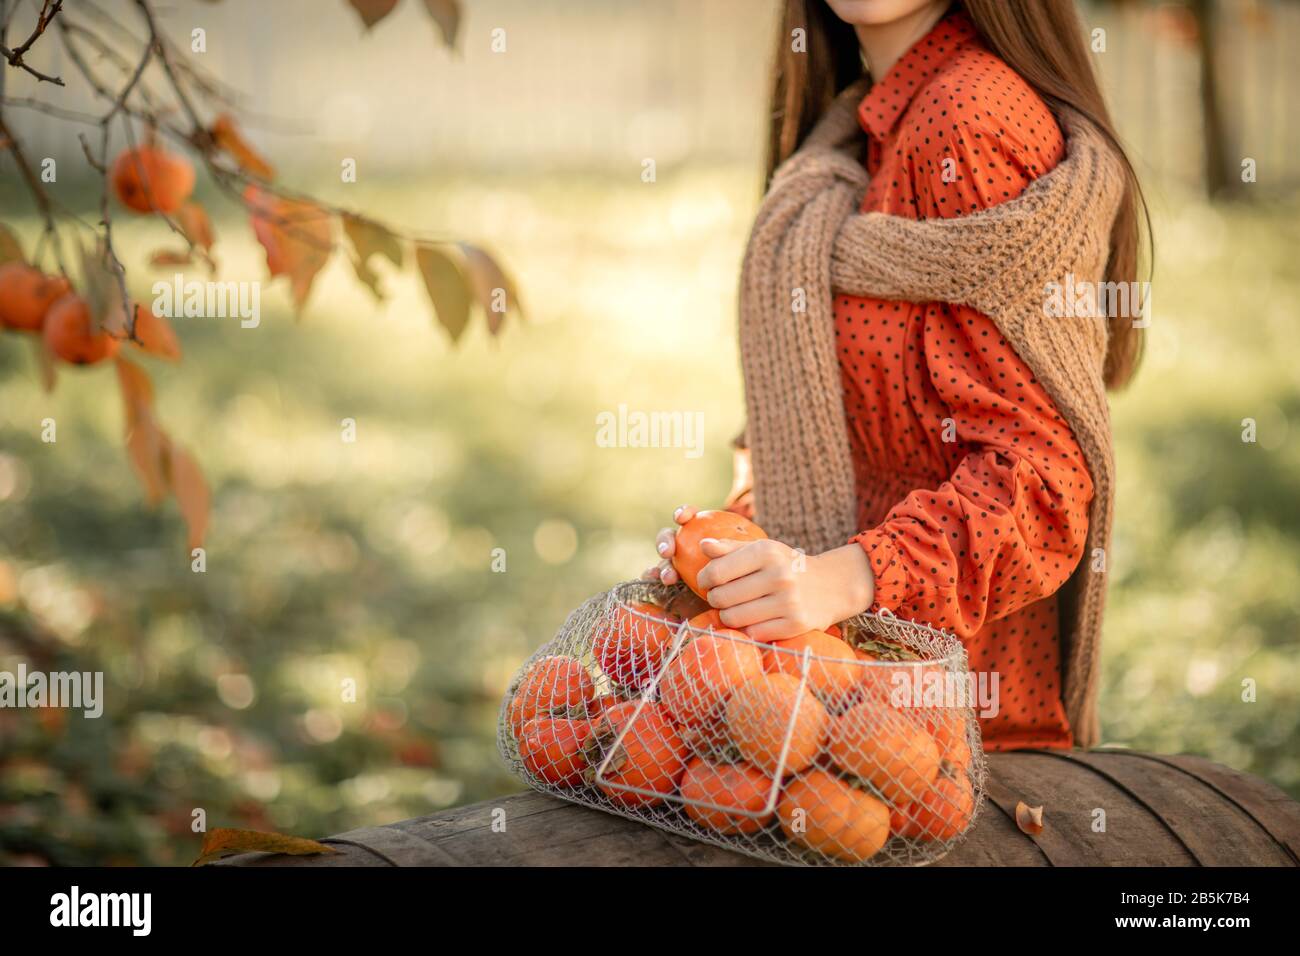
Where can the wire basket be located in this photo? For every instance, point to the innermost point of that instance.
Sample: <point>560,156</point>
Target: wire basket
<point>836,748</point>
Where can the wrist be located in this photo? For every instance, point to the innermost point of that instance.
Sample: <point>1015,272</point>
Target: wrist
<point>852,579</point>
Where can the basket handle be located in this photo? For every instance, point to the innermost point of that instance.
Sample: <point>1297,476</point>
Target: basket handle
<point>774,794</point>
<point>648,694</point>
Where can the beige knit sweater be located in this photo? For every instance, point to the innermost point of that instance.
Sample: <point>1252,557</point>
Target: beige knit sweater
<point>809,240</point>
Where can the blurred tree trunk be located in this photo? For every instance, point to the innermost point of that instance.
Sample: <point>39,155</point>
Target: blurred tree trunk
<point>1220,173</point>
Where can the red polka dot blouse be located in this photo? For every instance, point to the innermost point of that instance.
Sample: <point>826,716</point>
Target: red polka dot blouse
<point>971,484</point>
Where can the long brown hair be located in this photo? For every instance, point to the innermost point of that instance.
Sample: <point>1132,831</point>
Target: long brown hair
<point>1042,40</point>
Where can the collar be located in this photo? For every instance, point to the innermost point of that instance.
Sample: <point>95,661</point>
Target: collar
<point>880,109</point>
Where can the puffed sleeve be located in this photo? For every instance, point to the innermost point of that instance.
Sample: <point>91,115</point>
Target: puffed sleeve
<point>1008,527</point>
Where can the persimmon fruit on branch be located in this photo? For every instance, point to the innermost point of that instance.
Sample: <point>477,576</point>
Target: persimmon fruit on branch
<point>150,179</point>
<point>178,119</point>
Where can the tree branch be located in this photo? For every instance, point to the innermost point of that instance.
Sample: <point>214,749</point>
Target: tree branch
<point>106,219</point>
<point>49,10</point>
<point>43,203</point>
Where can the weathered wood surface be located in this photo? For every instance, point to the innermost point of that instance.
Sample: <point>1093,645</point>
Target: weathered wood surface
<point>1160,811</point>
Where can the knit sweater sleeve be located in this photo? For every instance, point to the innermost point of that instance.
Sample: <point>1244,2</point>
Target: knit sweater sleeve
<point>1009,525</point>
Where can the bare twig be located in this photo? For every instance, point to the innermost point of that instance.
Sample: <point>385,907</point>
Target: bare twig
<point>136,102</point>
<point>164,57</point>
<point>106,51</point>
<point>49,10</point>
<point>40,106</point>
<point>110,253</point>
<point>148,114</point>
<point>44,204</point>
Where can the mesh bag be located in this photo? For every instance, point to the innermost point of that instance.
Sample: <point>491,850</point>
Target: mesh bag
<point>828,749</point>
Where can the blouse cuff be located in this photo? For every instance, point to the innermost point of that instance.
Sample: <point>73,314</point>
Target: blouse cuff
<point>887,566</point>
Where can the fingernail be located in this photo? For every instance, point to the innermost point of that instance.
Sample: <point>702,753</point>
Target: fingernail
<point>678,511</point>
<point>662,548</point>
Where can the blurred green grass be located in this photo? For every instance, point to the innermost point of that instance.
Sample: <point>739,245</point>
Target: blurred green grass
<point>371,561</point>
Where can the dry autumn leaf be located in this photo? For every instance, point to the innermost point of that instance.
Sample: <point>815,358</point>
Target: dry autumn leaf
<point>161,465</point>
<point>224,841</point>
<point>226,134</point>
<point>685,604</point>
<point>137,390</point>
<point>1029,819</point>
<point>154,335</point>
<point>45,364</point>
<point>193,221</point>
<point>171,257</point>
<point>10,249</point>
<point>446,14</point>
<point>146,445</point>
<point>101,291</point>
<point>493,290</point>
<point>192,495</point>
<point>447,287</point>
<point>298,238</point>
<point>372,11</point>
<point>884,650</point>
<point>367,276</point>
<point>371,239</point>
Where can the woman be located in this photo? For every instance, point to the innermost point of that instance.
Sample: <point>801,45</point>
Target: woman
<point>922,424</point>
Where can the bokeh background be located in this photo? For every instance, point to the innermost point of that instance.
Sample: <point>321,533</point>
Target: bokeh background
<point>372,560</point>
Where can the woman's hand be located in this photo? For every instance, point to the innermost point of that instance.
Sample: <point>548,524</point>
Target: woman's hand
<point>771,590</point>
<point>664,544</point>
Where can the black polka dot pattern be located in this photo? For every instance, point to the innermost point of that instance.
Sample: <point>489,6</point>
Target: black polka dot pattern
<point>971,483</point>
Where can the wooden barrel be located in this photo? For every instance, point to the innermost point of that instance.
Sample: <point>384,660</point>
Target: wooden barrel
<point>1101,808</point>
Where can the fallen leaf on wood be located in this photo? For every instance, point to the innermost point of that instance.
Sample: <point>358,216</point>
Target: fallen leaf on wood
<point>1029,819</point>
<point>224,841</point>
